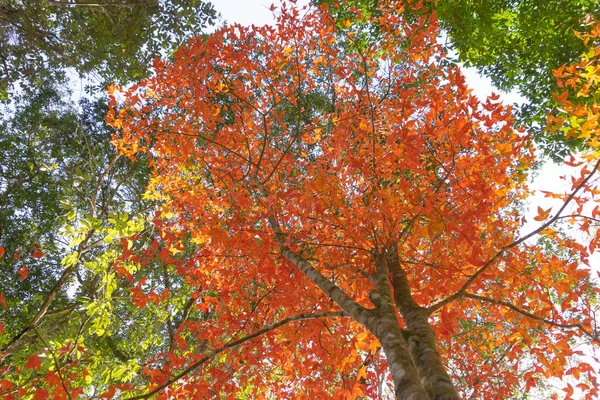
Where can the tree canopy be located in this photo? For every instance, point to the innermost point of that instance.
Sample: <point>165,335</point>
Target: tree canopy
<point>63,188</point>
<point>516,44</point>
<point>330,213</point>
<point>112,39</point>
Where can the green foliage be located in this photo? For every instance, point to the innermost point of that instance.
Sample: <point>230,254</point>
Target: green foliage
<point>517,44</point>
<point>111,39</point>
<point>69,204</point>
<point>59,180</point>
<point>67,193</point>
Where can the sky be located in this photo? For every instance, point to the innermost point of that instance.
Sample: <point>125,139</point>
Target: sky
<point>247,12</point>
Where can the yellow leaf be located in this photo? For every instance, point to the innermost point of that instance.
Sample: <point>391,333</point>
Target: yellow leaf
<point>362,373</point>
<point>362,336</point>
<point>504,148</point>
<point>362,346</point>
<point>174,250</point>
<point>199,239</point>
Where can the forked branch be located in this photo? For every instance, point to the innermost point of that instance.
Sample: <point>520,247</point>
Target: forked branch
<point>592,336</point>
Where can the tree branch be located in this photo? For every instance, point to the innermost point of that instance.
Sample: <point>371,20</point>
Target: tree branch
<point>56,365</point>
<point>421,338</point>
<point>91,4</point>
<point>517,242</point>
<point>344,301</point>
<point>528,314</point>
<point>10,347</point>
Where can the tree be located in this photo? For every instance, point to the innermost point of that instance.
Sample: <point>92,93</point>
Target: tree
<point>312,175</point>
<point>113,39</point>
<point>517,45</point>
<point>577,98</point>
<point>66,199</point>
<point>337,216</point>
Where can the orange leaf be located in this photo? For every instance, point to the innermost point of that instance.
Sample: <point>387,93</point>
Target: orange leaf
<point>53,379</point>
<point>33,362</point>
<point>5,384</point>
<point>37,253</point>
<point>1,251</point>
<point>41,394</point>
<point>3,300</point>
<point>504,148</point>
<point>23,272</point>
<point>569,391</point>
<point>572,163</point>
<point>362,373</point>
<point>562,98</point>
<point>542,214</point>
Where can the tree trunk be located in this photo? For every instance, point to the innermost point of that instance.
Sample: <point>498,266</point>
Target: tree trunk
<point>416,367</point>
<point>407,385</point>
<point>420,336</point>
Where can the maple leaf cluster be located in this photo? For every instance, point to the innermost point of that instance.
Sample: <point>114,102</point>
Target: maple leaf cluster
<point>346,211</point>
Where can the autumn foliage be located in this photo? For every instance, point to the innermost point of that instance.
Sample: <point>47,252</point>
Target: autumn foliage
<point>345,218</point>
<point>314,173</point>
<point>578,98</point>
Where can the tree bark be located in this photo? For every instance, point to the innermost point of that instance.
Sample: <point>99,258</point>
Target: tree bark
<point>381,321</point>
<point>420,336</point>
<point>406,379</point>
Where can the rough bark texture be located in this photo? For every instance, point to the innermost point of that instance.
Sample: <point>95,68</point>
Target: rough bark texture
<point>406,380</point>
<point>381,321</point>
<point>416,367</point>
<point>384,325</point>
<point>421,337</point>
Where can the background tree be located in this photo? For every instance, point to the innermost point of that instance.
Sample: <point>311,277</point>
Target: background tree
<point>518,45</point>
<point>391,198</point>
<point>67,199</point>
<point>114,40</point>
<point>61,180</point>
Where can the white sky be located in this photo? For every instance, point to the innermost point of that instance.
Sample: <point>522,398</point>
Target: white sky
<point>247,12</point>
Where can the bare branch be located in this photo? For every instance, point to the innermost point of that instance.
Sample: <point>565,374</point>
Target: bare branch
<point>92,4</point>
<point>593,336</point>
